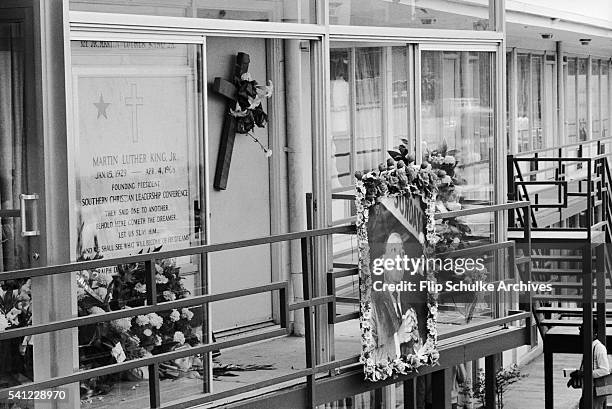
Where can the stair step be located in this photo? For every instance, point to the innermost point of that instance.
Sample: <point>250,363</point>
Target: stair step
<point>557,271</point>
<point>565,310</point>
<point>560,298</point>
<point>556,257</point>
<point>566,323</point>
<point>573,286</point>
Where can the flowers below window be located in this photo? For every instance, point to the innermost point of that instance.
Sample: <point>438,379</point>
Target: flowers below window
<point>248,111</point>
<point>105,290</point>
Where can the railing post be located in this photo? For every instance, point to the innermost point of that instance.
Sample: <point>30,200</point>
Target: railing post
<point>587,326</point>
<point>308,317</point>
<point>492,365</point>
<point>511,188</point>
<point>154,393</point>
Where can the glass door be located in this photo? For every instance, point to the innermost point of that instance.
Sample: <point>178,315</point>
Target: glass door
<point>20,188</point>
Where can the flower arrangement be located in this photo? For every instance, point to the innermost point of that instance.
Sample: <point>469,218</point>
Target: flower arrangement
<point>129,338</point>
<point>249,112</point>
<point>396,178</point>
<point>434,181</point>
<point>16,312</point>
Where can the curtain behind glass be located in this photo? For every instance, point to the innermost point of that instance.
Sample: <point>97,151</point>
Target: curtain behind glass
<point>12,254</point>
<point>368,109</point>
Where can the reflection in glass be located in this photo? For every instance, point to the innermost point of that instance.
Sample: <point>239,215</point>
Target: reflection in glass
<point>595,101</point>
<point>582,99</point>
<point>536,137</point>
<point>570,101</point>
<point>368,108</point>
<point>522,95</point>
<point>605,103</point>
<point>457,113</point>
<point>458,15</point>
<point>251,10</point>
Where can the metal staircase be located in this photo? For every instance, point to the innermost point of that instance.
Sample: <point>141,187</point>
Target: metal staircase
<point>569,222</point>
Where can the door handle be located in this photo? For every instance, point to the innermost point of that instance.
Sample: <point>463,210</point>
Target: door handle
<point>33,225</point>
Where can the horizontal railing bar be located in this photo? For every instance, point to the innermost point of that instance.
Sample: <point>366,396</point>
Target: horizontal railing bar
<point>346,317</point>
<point>482,210</point>
<point>344,265</point>
<point>344,273</point>
<point>563,159</point>
<point>132,312</point>
<point>345,220</point>
<point>236,391</point>
<point>203,249</point>
<point>477,249</point>
<point>343,196</point>
<point>137,363</point>
<point>571,145</point>
<point>489,324</point>
<point>347,300</point>
<point>311,303</point>
<point>328,366</point>
<point>322,368</point>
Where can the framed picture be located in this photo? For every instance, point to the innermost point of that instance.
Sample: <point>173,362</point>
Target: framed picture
<point>397,294</point>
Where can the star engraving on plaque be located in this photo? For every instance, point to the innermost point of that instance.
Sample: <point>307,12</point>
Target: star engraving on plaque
<point>102,107</point>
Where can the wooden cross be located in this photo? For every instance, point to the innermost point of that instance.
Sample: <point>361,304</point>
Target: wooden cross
<point>228,135</point>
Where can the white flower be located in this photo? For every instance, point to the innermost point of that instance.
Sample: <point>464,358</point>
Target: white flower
<point>254,102</point>
<point>449,159</point>
<point>140,288</point>
<point>179,337</point>
<point>264,91</point>
<point>161,279</point>
<point>122,324</point>
<point>4,324</point>
<point>13,316</point>
<point>456,240</point>
<point>246,77</point>
<point>155,320</point>
<point>147,332</point>
<point>142,320</point>
<point>96,310</point>
<point>185,313</point>
<point>268,153</point>
<point>101,292</point>
<point>158,340</point>
<point>104,279</point>
<point>159,268</point>
<point>238,112</point>
<point>169,295</point>
<point>175,316</point>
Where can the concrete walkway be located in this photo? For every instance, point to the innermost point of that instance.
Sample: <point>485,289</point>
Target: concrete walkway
<point>528,393</point>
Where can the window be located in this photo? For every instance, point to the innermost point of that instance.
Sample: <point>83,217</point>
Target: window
<point>291,11</point>
<point>460,15</point>
<point>457,99</point>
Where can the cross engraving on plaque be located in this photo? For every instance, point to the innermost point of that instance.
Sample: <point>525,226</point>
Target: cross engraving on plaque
<point>134,102</point>
<point>227,89</point>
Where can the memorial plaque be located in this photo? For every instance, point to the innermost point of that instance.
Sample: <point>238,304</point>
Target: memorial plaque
<point>137,156</point>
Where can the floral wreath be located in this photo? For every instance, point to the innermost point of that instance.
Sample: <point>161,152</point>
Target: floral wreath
<point>396,178</point>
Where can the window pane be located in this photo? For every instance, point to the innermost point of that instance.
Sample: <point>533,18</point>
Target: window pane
<point>570,102</point>
<point>537,140</point>
<point>290,11</point>
<point>368,108</point>
<point>458,15</point>
<point>457,111</point>
<point>605,103</point>
<point>341,170</point>
<point>582,99</point>
<point>522,121</point>
<point>595,101</point>
<point>400,98</point>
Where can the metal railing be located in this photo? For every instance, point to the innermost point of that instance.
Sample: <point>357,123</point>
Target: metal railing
<point>312,300</point>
